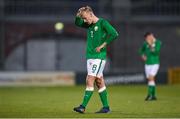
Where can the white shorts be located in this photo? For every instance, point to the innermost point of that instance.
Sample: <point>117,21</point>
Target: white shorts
<point>95,67</point>
<point>151,70</point>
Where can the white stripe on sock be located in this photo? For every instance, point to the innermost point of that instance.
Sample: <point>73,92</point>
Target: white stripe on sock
<point>102,89</point>
<point>89,88</point>
<point>151,83</point>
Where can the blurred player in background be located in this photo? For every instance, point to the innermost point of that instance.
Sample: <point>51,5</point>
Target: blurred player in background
<point>100,33</point>
<point>150,52</point>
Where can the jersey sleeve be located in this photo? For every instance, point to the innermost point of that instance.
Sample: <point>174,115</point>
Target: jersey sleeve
<point>80,22</point>
<point>142,49</point>
<point>112,34</point>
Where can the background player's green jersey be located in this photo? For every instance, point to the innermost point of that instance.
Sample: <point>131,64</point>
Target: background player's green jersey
<point>152,54</point>
<point>97,34</point>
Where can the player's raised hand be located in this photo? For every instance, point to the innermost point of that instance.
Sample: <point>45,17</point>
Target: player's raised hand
<point>80,11</point>
<point>144,58</point>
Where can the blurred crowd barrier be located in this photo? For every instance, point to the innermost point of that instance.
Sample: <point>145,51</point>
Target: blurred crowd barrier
<point>46,78</point>
<point>37,78</point>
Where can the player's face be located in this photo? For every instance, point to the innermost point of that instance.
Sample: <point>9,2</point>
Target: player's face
<point>149,39</point>
<point>87,17</point>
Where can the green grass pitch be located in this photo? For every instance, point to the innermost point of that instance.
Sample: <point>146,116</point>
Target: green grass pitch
<point>55,102</point>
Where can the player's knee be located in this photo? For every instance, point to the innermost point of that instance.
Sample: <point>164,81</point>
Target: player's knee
<point>151,78</point>
<point>98,80</point>
<point>90,81</point>
<point>89,77</point>
<point>100,83</point>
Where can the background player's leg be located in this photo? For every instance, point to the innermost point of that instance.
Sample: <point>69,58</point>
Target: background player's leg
<point>151,88</point>
<point>152,85</point>
<point>151,81</point>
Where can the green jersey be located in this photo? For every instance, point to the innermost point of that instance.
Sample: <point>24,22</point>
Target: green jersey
<point>97,34</point>
<point>152,53</point>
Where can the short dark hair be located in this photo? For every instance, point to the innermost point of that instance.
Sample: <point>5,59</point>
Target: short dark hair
<point>147,34</point>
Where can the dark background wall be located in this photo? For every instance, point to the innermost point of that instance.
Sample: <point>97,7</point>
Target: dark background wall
<point>22,21</point>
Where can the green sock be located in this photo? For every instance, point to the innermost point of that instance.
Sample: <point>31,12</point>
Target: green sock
<point>150,90</point>
<point>104,100</point>
<point>153,91</point>
<point>87,97</point>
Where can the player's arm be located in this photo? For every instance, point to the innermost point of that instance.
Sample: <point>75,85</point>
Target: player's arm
<point>142,52</point>
<point>98,49</point>
<point>79,21</point>
<point>112,34</point>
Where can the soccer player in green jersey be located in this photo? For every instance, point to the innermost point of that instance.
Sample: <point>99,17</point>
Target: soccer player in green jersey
<point>150,55</point>
<point>99,34</point>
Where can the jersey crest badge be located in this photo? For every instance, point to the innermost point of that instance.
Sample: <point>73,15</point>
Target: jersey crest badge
<point>95,28</point>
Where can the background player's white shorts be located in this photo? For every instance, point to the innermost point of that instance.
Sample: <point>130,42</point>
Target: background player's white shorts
<point>95,67</point>
<point>151,70</point>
